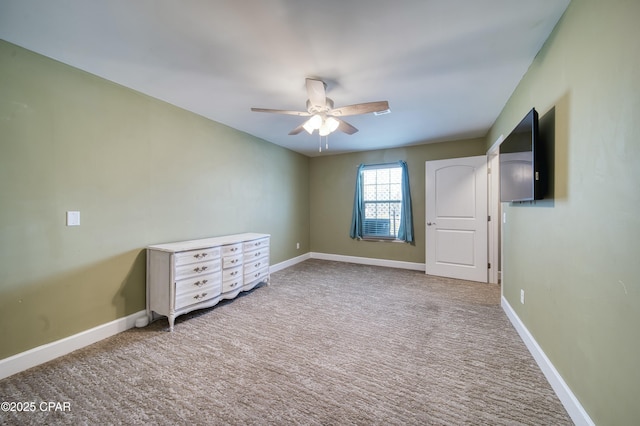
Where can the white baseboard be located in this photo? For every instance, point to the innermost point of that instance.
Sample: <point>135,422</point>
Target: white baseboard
<point>370,261</point>
<point>566,396</point>
<point>290,262</point>
<point>41,354</point>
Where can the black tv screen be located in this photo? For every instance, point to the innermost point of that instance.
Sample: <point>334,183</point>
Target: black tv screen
<point>522,163</point>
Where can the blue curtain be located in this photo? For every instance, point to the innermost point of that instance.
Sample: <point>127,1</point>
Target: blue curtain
<point>405,230</point>
<point>357,218</point>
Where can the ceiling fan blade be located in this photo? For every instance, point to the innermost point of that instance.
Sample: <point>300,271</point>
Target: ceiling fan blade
<point>282,111</point>
<point>317,93</point>
<point>297,130</point>
<point>360,109</point>
<point>346,127</point>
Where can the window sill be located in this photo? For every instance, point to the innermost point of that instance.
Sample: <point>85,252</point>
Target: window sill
<point>381,239</point>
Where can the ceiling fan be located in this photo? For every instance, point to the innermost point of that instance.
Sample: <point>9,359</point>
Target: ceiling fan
<point>323,116</point>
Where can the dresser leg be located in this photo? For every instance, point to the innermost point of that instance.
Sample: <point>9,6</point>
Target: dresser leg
<point>172,320</point>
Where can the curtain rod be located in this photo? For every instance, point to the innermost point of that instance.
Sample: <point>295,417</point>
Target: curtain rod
<point>381,164</point>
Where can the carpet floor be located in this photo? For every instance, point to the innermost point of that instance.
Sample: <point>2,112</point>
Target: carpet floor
<point>326,343</point>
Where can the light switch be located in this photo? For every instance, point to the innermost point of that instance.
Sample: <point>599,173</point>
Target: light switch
<point>73,218</point>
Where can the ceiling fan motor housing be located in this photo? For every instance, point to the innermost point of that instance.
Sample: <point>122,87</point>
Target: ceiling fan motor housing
<point>314,109</point>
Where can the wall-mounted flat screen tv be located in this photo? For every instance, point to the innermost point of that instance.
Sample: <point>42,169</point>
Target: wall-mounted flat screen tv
<point>522,162</point>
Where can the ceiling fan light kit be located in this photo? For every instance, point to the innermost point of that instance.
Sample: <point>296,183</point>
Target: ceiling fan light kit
<point>312,124</point>
<point>324,117</point>
<point>330,125</point>
<point>323,124</point>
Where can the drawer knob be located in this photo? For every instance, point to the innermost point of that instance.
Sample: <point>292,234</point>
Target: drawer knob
<point>200,296</point>
<point>200,255</point>
<point>257,264</point>
<point>201,269</point>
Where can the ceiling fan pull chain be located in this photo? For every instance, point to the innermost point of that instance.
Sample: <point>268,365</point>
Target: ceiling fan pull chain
<point>326,140</point>
<point>319,143</point>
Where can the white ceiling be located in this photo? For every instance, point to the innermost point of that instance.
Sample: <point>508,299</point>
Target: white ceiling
<point>447,67</point>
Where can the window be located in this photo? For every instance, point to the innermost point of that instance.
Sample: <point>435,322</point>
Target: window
<point>382,198</point>
<point>382,203</point>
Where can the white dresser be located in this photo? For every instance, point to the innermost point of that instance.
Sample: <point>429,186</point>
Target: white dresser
<point>195,274</point>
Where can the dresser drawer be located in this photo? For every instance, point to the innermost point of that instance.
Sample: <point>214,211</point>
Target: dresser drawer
<point>232,274</point>
<point>196,296</point>
<point>232,284</point>
<point>195,256</point>
<point>257,275</point>
<point>256,254</point>
<point>199,283</point>
<point>231,261</point>
<point>255,264</point>
<point>262,243</point>
<point>196,269</point>
<point>231,249</point>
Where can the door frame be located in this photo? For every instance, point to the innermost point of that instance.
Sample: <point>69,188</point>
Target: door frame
<point>494,208</point>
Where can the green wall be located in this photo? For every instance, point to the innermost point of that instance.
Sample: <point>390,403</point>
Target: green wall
<point>141,172</point>
<point>577,255</point>
<point>332,189</point>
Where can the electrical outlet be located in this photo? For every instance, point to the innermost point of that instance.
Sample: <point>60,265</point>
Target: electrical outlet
<point>522,296</point>
<point>298,246</point>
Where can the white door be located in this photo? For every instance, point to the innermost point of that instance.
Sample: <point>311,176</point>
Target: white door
<point>456,228</point>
